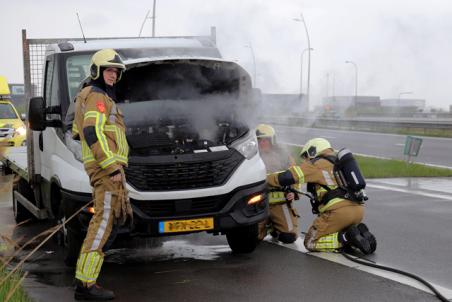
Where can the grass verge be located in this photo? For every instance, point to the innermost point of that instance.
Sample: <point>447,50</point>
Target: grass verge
<point>385,168</point>
<point>11,290</point>
<point>372,167</point>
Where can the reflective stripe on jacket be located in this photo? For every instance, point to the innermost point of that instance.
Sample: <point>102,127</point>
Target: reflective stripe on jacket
<point>100,126</point>
<point>320,192</point>
<point>319,173</point>
<point>275,197</point>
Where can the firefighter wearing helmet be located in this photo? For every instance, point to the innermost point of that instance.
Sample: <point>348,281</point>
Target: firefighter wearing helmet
<point>99,125</point>
<point>282,223</point>
<point>338,224</point>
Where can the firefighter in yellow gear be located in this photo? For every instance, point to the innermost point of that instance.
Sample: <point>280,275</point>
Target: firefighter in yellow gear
<point>99,125</point>
<point>282,223</point>
<point>339,221</point>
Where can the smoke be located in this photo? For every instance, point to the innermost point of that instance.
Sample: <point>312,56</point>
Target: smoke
<point>185,102</point>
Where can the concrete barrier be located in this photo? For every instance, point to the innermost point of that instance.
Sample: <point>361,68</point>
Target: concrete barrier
<point>437,127</point>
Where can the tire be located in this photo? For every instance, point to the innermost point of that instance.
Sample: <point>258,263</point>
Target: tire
<point>72,235</point>
<point>243,240</point>
<point>20,212</point>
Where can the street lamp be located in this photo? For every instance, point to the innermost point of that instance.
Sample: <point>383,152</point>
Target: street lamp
<point>301,70</point>
<point>301,19</point>
<point>147,17</point>
<point>356,77</point>
<point>250,46</point>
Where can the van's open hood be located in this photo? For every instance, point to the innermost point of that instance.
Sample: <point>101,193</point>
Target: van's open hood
<point>202,61</point>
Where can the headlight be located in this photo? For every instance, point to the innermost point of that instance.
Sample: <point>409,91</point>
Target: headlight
<point>21,130</point>
<point>246,146</point>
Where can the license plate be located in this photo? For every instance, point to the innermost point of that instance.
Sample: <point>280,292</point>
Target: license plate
<point>188,225</point>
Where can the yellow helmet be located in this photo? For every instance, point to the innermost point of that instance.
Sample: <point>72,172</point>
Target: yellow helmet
<point>314,147</point>
<point>106,58</point>
<point>266,131</point>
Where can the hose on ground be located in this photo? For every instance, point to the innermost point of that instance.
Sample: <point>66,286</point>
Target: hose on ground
<point>394,270</point>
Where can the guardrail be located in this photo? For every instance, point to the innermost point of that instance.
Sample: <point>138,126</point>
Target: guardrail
<point>436,127</point>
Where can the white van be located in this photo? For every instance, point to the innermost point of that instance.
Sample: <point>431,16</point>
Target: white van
<point>194,163</point>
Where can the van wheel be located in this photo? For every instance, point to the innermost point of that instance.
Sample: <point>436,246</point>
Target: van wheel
<point>72,235</point>
<point>244,239</point>
<point>20,212</point>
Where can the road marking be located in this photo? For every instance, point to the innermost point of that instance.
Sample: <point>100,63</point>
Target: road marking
<point>410,191</point>
<point>339,259</point>
<point>401,145</point>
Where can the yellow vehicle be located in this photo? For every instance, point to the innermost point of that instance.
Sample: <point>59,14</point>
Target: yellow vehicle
<point>12,128</point>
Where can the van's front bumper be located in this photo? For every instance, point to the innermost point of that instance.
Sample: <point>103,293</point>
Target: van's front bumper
<point>228,211</point>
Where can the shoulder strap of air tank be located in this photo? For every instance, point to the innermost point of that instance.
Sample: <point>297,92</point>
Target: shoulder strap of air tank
<point>331,158</point>
<point>310,187</point>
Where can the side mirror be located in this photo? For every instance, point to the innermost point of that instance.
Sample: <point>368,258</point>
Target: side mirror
<point>37,114</point>
<point>23,116</point>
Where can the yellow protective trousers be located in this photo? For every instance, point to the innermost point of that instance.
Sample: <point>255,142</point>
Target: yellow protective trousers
<point>322,235</point>
<point>283,219</point>
<point>111,207</point>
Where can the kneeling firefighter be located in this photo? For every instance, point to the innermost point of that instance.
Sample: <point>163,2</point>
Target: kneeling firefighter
<point>336,186</point>
<point>99,125</point>
<point>282,223</point>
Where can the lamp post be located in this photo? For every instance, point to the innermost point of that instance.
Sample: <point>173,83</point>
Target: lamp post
<point>153,19</point>
<point>250,46</point>
<point>301,70</point>
<point>356,78</point>
<point>327,84</point>
<point>301,19</point>
<point>147,17</point>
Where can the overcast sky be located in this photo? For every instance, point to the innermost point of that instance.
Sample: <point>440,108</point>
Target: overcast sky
<point>398,46</point>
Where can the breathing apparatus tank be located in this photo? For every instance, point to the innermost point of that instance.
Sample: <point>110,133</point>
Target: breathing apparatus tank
<point>348,174</point>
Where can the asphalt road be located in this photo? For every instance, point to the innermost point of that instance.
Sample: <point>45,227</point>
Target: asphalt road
<point>412,232</point>
<point>411,224</point>
<point>436,151</point>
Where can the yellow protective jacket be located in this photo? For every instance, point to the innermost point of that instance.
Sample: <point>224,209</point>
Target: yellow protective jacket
<point>99,125</point>
<point>320,172</point>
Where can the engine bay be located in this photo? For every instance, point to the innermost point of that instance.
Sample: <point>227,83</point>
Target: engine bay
<point>168,137</point>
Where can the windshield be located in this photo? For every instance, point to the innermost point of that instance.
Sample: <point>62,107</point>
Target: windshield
<point>7,111</point>
<point>77,68</point>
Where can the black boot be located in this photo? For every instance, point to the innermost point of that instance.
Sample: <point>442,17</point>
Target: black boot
<point>92,293</point>
<point>352,237</point>
<point>364,230</point>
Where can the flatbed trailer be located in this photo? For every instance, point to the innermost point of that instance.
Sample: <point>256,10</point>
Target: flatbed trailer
<point>15,159</point>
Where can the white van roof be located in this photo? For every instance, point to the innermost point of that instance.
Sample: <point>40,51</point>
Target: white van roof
<point>193,44</point>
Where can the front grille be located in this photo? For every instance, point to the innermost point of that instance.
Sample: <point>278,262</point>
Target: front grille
<point>182,172</point>
<point>170,208</point>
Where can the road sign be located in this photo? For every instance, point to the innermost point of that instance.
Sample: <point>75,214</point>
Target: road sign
<point>412,146</point>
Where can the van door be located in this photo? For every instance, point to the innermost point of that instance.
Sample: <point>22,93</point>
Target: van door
<point>48,138</point>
